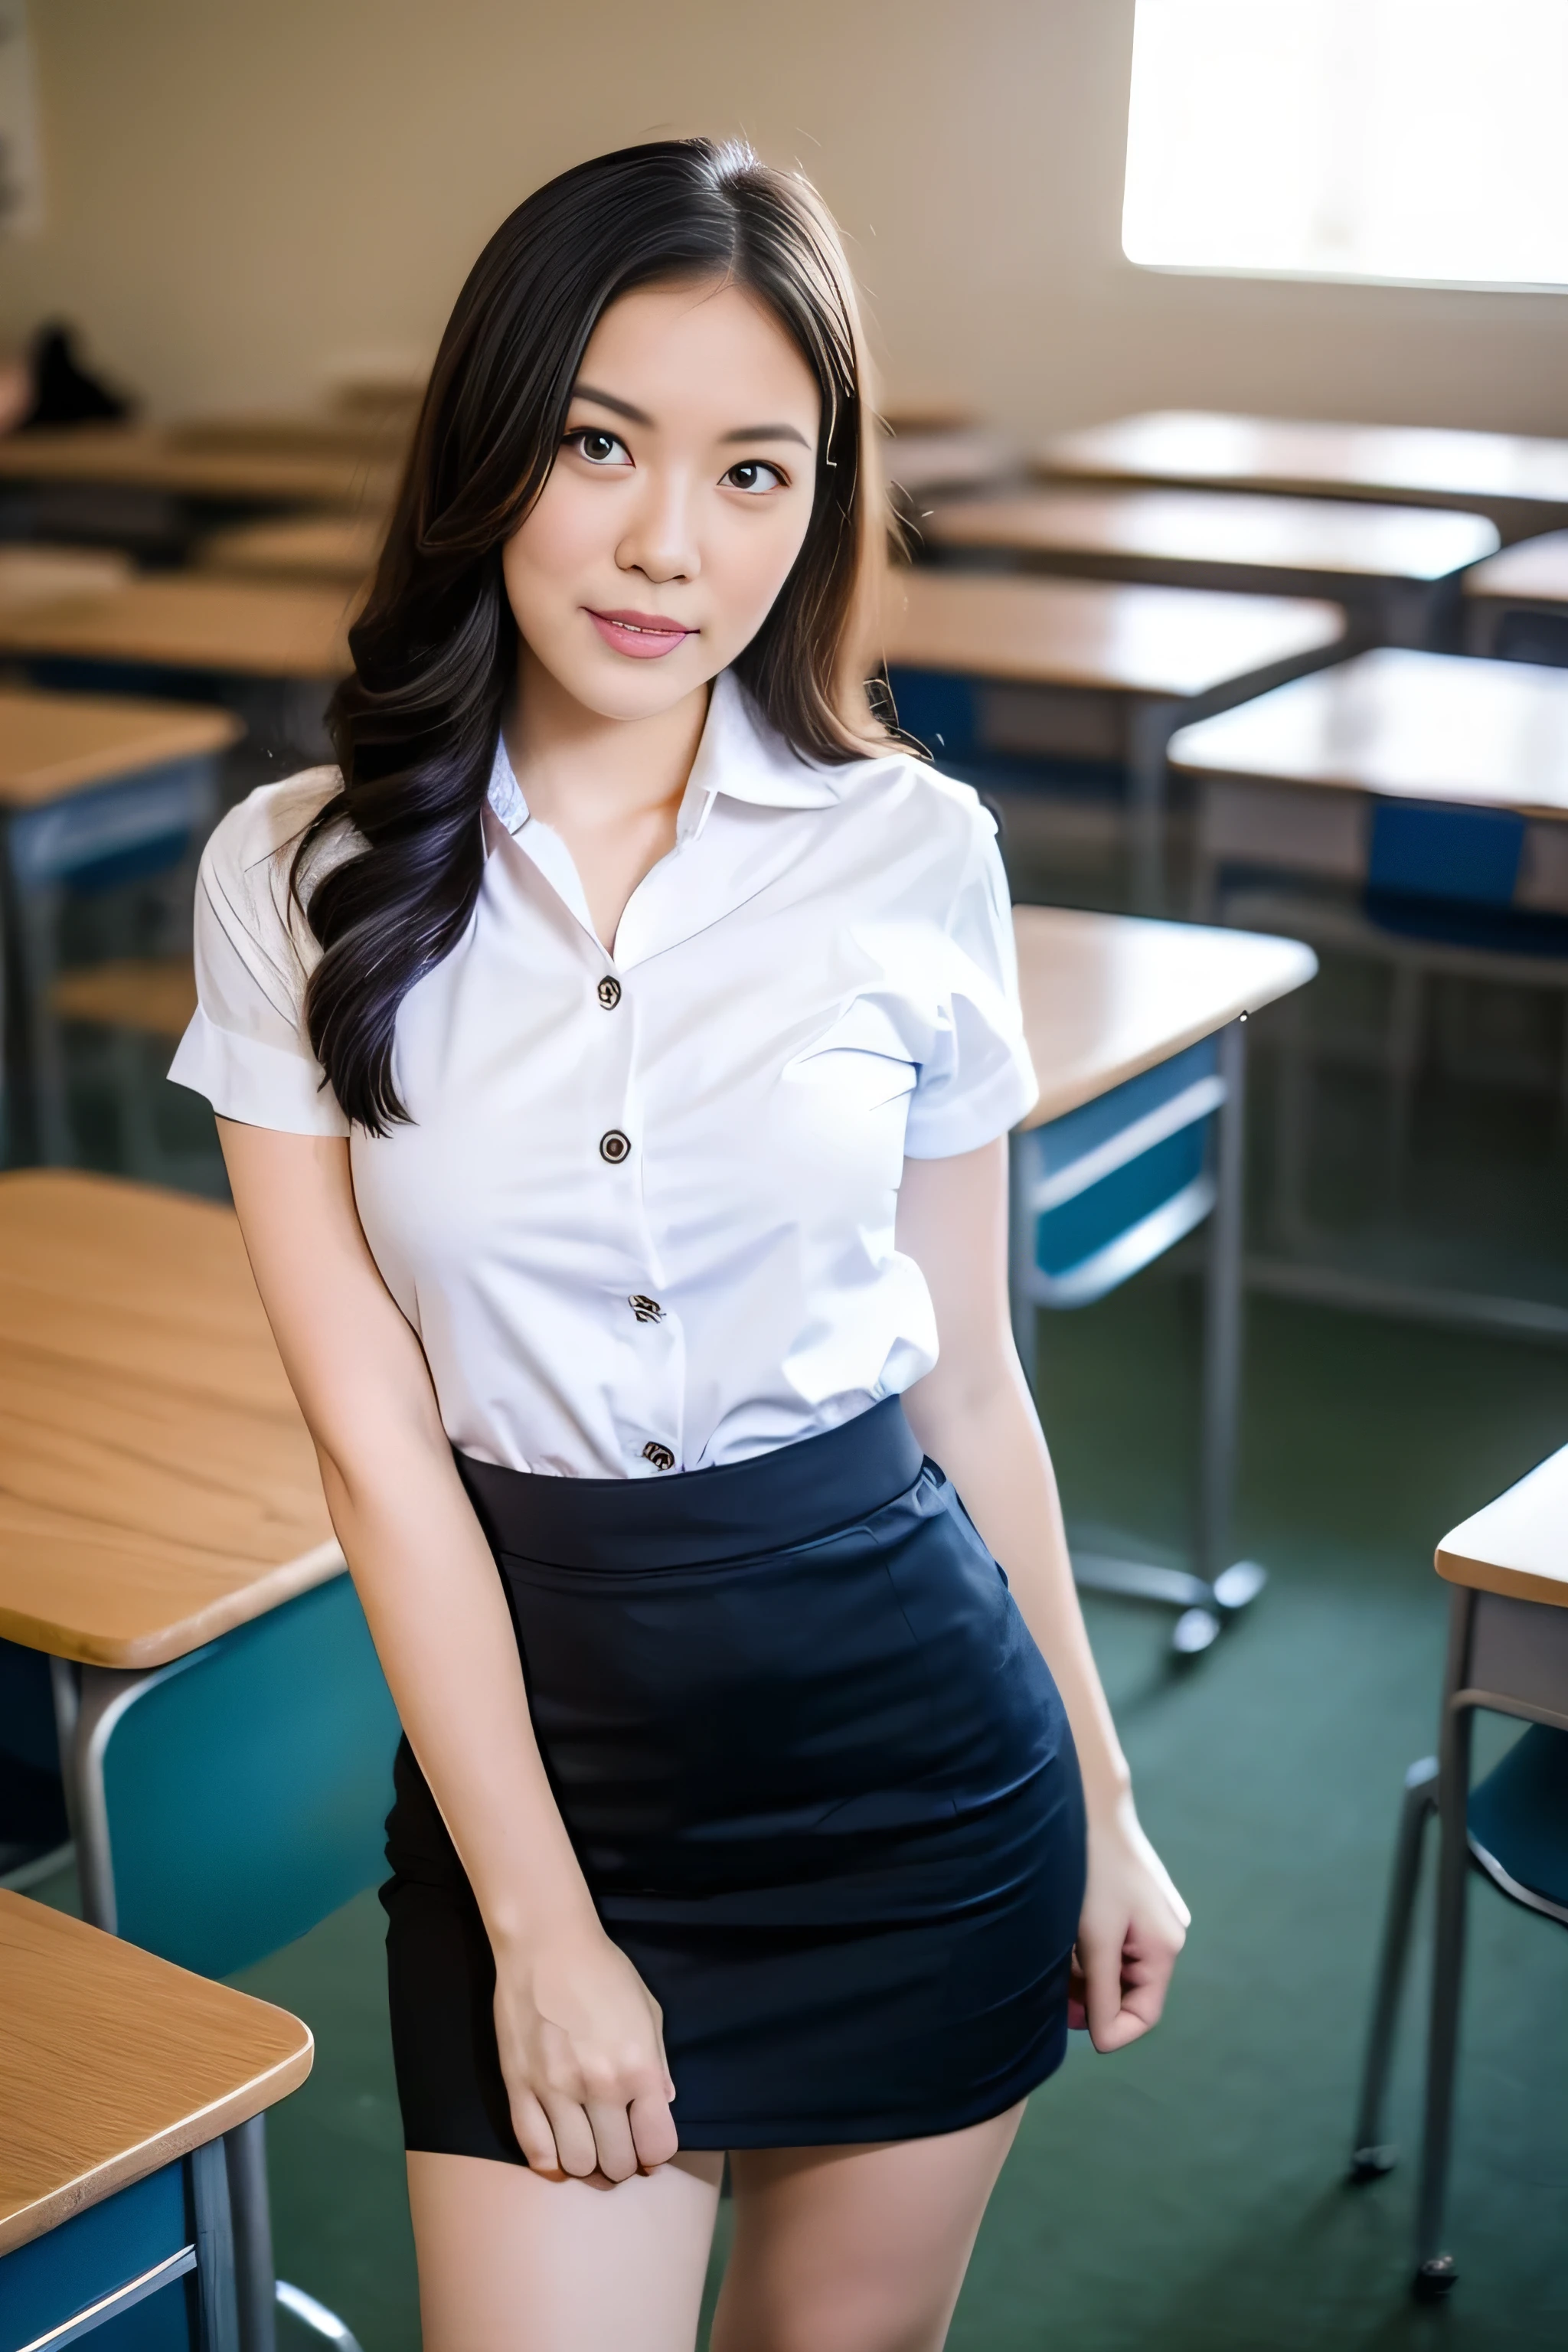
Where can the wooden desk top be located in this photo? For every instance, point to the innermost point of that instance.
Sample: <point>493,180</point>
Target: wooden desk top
<point>330,548</point>
<point>51,744</point>
<point>1106,996</point>
<point>1418,464</point>
<point>1532,572</point>
<point>1519,1544</point>
<point>42,575</point>
<point>157,1484</point>
<point>157,459</point>
<point>112,2064</point>
<point>1212,529</point>
<point>1423,726</point>
<point>1164,642</point>
<point>194,620</point>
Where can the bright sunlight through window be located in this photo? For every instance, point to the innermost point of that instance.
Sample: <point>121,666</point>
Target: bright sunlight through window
<point>1414,140</point>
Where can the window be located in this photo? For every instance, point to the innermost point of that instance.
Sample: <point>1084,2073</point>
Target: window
<point>1413,139</point>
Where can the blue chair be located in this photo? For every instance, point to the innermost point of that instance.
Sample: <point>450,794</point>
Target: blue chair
<point>1509,1657</point>
<point>223,1805</point>
<point>1099,1194</point>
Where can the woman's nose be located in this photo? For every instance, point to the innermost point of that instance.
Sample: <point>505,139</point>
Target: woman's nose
<point>661,543</point>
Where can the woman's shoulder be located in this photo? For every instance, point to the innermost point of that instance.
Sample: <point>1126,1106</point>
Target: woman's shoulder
<point>901,790</point>
<point>248,877</point>
<point>271,821</point>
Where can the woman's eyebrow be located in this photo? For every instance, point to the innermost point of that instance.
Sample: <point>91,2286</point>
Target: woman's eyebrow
<point>608,400</point>
<point>766,432</point>
<point>640,416</point>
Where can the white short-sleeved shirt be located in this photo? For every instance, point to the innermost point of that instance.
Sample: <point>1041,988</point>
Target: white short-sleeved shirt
<point>643,1217</point>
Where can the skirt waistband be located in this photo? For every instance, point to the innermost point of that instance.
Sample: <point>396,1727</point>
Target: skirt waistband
<point>792,1496</point>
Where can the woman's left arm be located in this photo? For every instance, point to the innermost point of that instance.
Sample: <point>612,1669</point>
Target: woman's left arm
<point>973,1413</point>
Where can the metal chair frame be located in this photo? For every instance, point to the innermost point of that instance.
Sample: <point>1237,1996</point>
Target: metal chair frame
<point>1510,1657</point>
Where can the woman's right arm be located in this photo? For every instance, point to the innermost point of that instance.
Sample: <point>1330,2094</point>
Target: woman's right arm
<point>579,2033</point>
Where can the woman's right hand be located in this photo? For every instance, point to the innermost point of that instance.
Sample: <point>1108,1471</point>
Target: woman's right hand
<point>582,2053</point>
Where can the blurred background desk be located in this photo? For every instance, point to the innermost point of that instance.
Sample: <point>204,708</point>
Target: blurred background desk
<point>1396,569</point>
<point>1410,811</point>
<point>1519,481</point>
<point>1518,602</point>
<point>154,490</point>
<point>269,651</point>
<point>106,800</point>
<point>330,549</point>
<point>994,673</point>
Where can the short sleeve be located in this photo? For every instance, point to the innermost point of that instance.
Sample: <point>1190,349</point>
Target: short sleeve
<point>977,1080</point>
<point>246,1048</point>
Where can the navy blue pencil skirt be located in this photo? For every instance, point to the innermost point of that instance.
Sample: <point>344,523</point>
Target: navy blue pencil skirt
<point>820,1783</point>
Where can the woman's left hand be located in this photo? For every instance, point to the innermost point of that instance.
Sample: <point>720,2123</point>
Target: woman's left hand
<point>1132,1928</point>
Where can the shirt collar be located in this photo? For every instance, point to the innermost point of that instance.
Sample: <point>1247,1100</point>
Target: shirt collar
<point>740,755</point>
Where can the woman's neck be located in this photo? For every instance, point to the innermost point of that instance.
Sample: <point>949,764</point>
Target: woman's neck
<point>611,788</point>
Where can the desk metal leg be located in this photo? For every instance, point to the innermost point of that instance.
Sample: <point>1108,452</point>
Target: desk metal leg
<point>1435,2270</point>
<point>215,2250</point>
<point>1147,733</point>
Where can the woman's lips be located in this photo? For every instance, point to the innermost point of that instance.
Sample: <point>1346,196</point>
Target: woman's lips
<point>646,637</point>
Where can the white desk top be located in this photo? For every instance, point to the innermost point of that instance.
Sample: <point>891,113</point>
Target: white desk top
<point>1532,572</point>
<point>1489,734</point>
<point>1106,996</point>
<point>1518,1545</point>
<point>1214,529</point>
<point>1418,463</point>
<point>1109,638</point>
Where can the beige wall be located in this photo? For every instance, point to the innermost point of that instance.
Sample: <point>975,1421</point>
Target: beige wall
<point>242,193</point>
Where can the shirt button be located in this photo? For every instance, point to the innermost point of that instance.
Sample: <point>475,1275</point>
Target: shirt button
<point>609,991</point>
<point>614,1147</point>
<point>659,1455</point>
<point>647,1310</point>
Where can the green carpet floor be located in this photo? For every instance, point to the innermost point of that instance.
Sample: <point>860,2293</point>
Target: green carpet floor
<point>1188,2193</point>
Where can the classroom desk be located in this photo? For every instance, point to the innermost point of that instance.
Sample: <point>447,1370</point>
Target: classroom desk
<point>1343,778</point>
<point>1090,670</point>
<point>85,781</point>
<point>1528,581</point>
<point>157,1484</point>
<point>1395,568</point>
<point>1519,481</point>
<point>1107,1000</point>
<point>126,2090</point>
<point>266,649</point>
<point>333,550</point>
<point>1293,778</point>
<point>247,464</point>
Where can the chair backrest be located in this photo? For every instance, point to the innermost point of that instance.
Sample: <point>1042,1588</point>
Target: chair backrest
<point>246,1787</point>
<point>1111,1187</point>
<point>1428,849</point>
<point>1517,1820</point>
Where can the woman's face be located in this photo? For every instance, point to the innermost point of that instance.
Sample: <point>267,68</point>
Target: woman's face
<point>678,502</point>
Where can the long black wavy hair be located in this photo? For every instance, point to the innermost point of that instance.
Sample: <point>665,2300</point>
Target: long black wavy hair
<point>434,649</point>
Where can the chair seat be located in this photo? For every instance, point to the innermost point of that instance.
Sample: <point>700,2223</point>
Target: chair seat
<point>1519,1821</point>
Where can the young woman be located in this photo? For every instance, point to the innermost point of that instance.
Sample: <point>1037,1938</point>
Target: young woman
<point>614,1060</point>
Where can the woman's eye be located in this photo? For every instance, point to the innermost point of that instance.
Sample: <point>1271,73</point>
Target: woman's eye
<point>599,448</point>
<point>754,474</point>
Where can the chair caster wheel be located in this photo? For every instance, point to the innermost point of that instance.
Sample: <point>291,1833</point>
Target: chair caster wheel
<point>1435,2280</point>
<point>1372,2163</point>
<point>1194,1632</point>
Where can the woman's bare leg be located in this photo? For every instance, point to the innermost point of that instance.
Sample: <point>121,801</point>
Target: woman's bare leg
<point>856,2249</point>
<point>513,2260</point>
